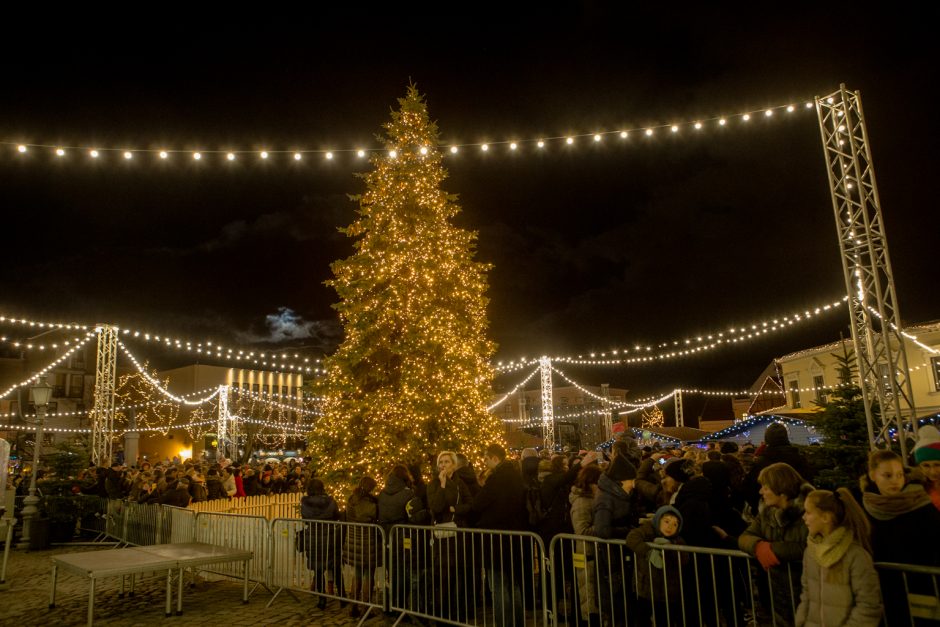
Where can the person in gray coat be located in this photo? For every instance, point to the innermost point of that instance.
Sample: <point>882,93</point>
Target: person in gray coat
<point>840,584</point>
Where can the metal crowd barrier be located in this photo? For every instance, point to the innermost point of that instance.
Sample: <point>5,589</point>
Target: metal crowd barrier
<point>598,582</point>
<point>178,525</point>
<point>143,524</point>
<point>115,524</point>
<point>331,559</point>
<point>252,533</point>
<point>911,593</point>
<point>94,519</point>
<point>468,576</point>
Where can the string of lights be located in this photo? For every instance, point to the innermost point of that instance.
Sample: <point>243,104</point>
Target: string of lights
<point>58,360</point>
<point>513,366</point>
<point>699,343</point>
<point>159,386</point>
<point>128,155</point>
<point>206,347</point>
<point>27,345</point>
<point>609,402</point>
<point>512,391</point>
<point>909,336</point>
<point>261,397</point>
<point>46,428</point>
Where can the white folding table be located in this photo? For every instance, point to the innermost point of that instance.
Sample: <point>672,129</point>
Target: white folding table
<point>95,565</point>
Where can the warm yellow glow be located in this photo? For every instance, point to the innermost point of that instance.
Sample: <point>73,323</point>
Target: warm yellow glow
<point>698,126</point>
<point>264,154</point>
<point>297,156</point>
<point>128,155</point>
<point>790,108</point>
<point>163,154</point>
<point>513,146</point>
<point>197,156</point>
<point>185,453</point>
<point>541,144</point>
<point>649,132</point>
<point>94,154</point>
<point>230,156</point>
<point>329,155</point>
<point>453,150</point>
<point>569,140</point>
<point>768,113</point>
<point>393,154</point>
<point>485,147</point>
<point>722,122</point>
<point>674,128</point>
<point>21,148</point>
<point>746,117</point>
<point>361,153</point>
<point>424,150</point>
<point>623,134</point>
<point>59,152</point>
<point>597,138</point>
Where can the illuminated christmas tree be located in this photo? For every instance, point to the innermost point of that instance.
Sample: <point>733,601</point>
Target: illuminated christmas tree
<point>412,376</point>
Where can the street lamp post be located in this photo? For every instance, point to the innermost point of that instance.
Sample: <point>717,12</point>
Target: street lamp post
<point>41,393</point>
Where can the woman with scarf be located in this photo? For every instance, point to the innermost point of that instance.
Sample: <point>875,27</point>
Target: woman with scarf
<point>840,584</point>
<point>900,513</point>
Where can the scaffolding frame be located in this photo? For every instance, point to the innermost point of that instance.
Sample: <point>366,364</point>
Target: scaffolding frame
<point>102,414</point>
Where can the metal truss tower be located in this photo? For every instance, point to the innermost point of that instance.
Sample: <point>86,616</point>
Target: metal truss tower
<point>221,429</point>
<point>680,417</point>
<point>548,412</point>
<point>102,415</point>
<point>876,322</point>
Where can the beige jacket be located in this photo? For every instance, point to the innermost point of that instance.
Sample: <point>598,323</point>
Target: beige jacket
<point>848,593</point>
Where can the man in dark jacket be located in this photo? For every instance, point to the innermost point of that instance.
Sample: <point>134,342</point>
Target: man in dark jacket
<point>777,449</point>
<point>179,495</point>
<point>500,504</point>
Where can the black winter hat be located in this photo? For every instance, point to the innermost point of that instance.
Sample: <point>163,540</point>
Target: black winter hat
<point>680,469</point>
<point>776,435</point>
<point>621,469</point>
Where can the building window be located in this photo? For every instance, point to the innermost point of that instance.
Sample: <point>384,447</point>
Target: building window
<point>246,386</point>
<point>255,387</point>
<point>78,360</point>
<point>794,387</point>
<point>818,383</point>
<point>76,386</point>
<point>58,388</point>
<point>935,365</point>
<point>283,391</point>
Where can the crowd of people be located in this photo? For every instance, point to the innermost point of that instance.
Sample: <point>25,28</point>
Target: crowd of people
<point>817,547</point>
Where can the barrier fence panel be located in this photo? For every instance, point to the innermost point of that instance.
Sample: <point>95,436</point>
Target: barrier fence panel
<point>603,582</point>
<point>94,518</point>
<point>911,593</point>
<point>468,576</point>
<point>592,581</point>
<point>251,533</point>
<point>178,525</point>
<point>336,560</point>
<point>143,524</point>
<point>116,519</point>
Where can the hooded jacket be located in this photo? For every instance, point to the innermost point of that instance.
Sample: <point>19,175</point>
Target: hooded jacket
<point>614,513</point>
<point>392,501</point>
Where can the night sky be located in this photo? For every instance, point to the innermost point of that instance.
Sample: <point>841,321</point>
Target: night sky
<point>594,246</point>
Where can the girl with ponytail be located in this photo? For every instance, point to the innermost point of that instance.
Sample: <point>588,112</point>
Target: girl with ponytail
<point>840,584</point>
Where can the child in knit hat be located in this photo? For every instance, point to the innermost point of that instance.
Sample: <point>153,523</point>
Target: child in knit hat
<point>658,571</point>
<point>927,458</point>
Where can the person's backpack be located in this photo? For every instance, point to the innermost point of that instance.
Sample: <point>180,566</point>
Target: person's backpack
<point>417,511</point>
<point>533,504</point>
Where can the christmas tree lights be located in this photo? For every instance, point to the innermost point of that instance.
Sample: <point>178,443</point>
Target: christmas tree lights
<point>413,374</point>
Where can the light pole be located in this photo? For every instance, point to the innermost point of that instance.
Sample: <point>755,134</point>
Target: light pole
<point>41,393</point>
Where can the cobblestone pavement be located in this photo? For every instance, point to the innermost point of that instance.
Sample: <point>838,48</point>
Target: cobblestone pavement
<point>215,602</point>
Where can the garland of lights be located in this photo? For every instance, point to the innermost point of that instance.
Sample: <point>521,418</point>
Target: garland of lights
<point>512,391</point>
<point>49,367</point>
<point>156,384</point>
<point>715,340</point>
<point>94,153</point>
<point>207,347</point>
